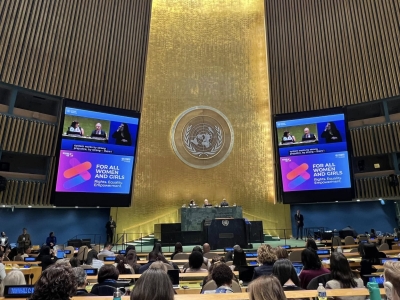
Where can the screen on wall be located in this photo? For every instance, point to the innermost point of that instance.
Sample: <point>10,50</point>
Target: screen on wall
<point>314,157</point>
<point>96,155</point>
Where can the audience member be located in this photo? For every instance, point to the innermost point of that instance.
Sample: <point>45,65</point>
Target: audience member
<point>74,262</point>
<point>286,273</point>
<point>343,277</point>
<point>281,253</point>
<point>205,259</point>
<point>229,254</point>
<point>107,276</point>
<point>239,259</point>
<point>55,283</point>
<point>51,240</point>
<point>195,263</point>
<point>146,289</point>
<point>2,267</point>
<point>97,263</point>
<point>157,248</point>
<point>152,258</point>
<point>369,257</point>
<point>178,249</point>
<point>266,257</point>
<point>131,247</point>
<point>15,277</point>
<point>27,251</point>
<point>311,244</point>
<point>312,267</point>
<point>266,288</point>
<point>81,282</point>
<point>214,261</point>
<point>107,250</point>
<point>222,275</point>
<point>92,253</point>
<point>63,262</point>
<point>122,265</point>
<point>162,258</point>
<point>19,256</point>
<point>206,248</point>
<point>131,259</point>
<point>46,257</point>
<point>158,265</point>
<point>392,279</point>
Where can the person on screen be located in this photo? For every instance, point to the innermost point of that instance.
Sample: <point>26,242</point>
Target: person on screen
<point>98,132</point>
<point>288,138</point>
<point>122,135</point>
<point>74,128</point>
<point>331,134</point>
<point>307,136</point>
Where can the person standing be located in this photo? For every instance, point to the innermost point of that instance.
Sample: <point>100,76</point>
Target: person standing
<point>298,217</point>
<point>51,240</point>
<point>110,228</point>
<point>4,240</point>
<point>24,240</point>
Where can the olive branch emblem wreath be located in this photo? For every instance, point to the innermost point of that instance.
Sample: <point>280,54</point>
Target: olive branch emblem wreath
<point>213,150</point>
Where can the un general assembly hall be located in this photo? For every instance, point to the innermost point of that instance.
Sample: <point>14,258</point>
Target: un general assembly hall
<point>254,141</point>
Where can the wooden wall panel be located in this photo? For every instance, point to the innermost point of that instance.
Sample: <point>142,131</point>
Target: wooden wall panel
<point>93,51</point>
<point>375,187</point>
<point>332,53</point>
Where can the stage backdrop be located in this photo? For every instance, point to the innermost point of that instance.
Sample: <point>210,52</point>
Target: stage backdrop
<point>210,53</point>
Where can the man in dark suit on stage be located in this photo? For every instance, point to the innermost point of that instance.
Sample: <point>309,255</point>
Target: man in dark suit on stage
<point>98,132</point>
<point>298,217</point>
<point>307,136</point>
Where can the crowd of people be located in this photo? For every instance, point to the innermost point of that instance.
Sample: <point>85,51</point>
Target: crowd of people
<point>275,273</point>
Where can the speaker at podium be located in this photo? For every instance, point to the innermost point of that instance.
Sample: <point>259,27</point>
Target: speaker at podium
<point>225,232</point>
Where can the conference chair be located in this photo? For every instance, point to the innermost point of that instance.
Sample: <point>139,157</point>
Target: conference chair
<point>168,266</point>
<point>295,256</point>
<point>395,247</point>
<point>336,241</point>
<point>72,252</point>
<point>181,256</point>
<point>314,283</point>
<point>211,286</point>
<point>97,248</point>
<point>236,287</point>
<point>362,238</point>
<point>82,253</point>
<point>383,247</point>
<point>349,240</point>
<point>209,255</point>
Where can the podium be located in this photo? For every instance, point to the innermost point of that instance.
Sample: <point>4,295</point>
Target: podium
<point>225,233</point>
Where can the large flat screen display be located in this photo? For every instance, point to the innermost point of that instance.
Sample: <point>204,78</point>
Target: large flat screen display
<point>313,156</point>
<point>96,155</point>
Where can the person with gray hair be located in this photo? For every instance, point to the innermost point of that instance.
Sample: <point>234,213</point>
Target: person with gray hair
<point>15,277</point>
<point>81,282</point>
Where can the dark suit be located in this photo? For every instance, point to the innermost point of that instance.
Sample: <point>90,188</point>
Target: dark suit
<point>24,243</point>
<point>300,224</point>
<point>145,267</point>
<point>95,134</point>
<point>311,137</point>
<point>265,269</point>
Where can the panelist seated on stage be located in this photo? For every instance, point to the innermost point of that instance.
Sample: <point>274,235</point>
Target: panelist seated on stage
<point>224,203</point>
<point>206,203</point>
<point>308,136</point>
<point>75,129</point>
<point>98,133</point>
<point>288,138</point>
<point>192,203</point>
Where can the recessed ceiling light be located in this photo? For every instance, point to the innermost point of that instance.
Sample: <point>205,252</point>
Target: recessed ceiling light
<point>54,206</point>
<point>336,201</point>
<point>98,206</point>
<point>76,206</point>
<point>29,206</point>
<point>358,200</point>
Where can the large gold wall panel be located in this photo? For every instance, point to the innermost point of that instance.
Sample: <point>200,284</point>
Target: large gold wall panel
<point>209,53</point>
<point>92,50</point>
<point>332,52</point>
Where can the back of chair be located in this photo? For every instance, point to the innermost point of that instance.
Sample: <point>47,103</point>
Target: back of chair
<point>209,255</point>
<point>181,256</point>
<point>169,267</point>
<point>336,241</point>
<point>236,287</point>
<point>349,240</point>
<point>295,256</point>
<point>210,286</point>
<point>314,283</point>
<point>72,252</point>
<point>103,290</point>
<point>82,253</point>
<point>97,248</point>
<point>383,247</point>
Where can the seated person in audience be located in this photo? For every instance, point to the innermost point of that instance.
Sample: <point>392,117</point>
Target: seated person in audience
<point>266,257</point>
<point>286,273</point>
<point>157,248</point>
<point>162,259</point>
<point>122,265</point>
<point>214,261</point>
<point>205,259</point>
<point>373,235</point>
<point>152,258</point>
<point>154,284</point>
<point>266,288</point>
<point>311,244</point>
<point>108,275</point>
<point>81,282</point>
<point>107,250</point>
<point>312,267</point>
<point>195,263</point>
<point>74,262</point>
<point>206,248</point>
<point>239,259</point>
<point>55,283</point>
<point>369,257</point>
<point>131,259</point>
<point>343,277</point>
<point>19,256</point>
<point>229,254</point>
<point>51,240</point>
<point>97,263</point>
<point>224,203</point>
<point>178,249</point>
<point>392,279</point>
<point>92,253</point>
<point>131,247</point>
<point>46,257</point>
<point>63,262</point>
<point>2,267</point>
<point>281,253</point>
<point>15,277</point>
<point>222,275</point>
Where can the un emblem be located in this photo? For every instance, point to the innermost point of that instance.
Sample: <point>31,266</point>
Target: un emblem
<point>202,137</point>
<point>225,222</point>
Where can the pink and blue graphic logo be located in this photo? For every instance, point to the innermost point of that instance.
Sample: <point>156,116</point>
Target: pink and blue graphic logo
<point>298,174</point>
<point>78,174</point>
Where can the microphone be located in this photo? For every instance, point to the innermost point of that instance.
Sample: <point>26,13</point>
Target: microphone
<point>31,277</point>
